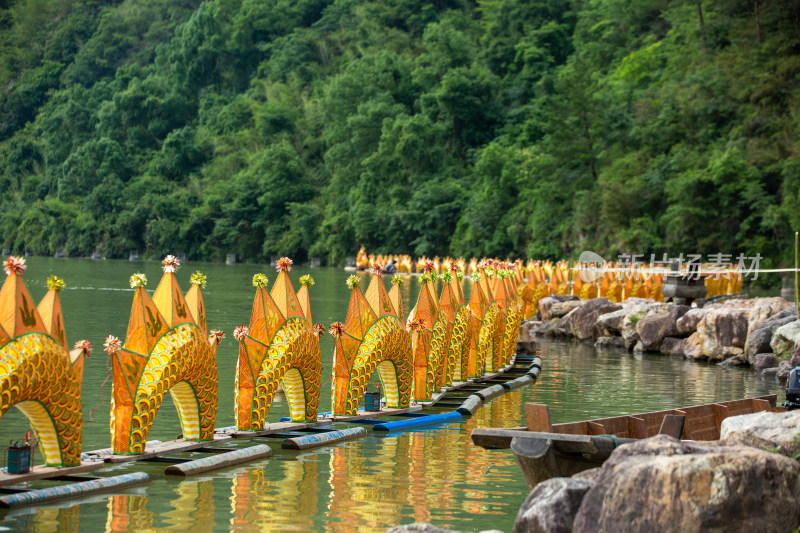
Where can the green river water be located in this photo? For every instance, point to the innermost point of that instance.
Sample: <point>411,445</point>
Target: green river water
<point>370,484</point>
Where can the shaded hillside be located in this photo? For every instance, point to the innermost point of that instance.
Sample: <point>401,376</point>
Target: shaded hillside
<point>308,128</point>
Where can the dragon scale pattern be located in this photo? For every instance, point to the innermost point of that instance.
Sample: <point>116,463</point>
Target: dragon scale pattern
<point>386,340</point>
<point>458,351</point>
<point>33,367</point>
<point>487,339</point>
<point>293,346</point>
<point>182,358</point>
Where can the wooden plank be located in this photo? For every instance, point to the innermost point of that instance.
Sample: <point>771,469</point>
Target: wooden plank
<point>721,412</point>
<point>373,414</point>
<point>637,429</point>
<point>500,438</point>
<point>672,425</point>
<point>537,417</point>
<point>759,404</point>
<point>596,429</point>
<point>47,472</point>
<point>162,448</point>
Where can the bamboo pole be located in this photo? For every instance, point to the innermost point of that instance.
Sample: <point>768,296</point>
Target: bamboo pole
<point>796,276</point>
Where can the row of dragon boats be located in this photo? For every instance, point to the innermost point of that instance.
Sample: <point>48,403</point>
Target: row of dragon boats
<point>445,340</point>
<point>169,348</point>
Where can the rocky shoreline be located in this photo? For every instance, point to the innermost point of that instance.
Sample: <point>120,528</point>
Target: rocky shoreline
<point>762,333</point>
<point>748,480</point>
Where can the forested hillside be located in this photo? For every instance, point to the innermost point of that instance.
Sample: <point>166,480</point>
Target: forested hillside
<point>534,128</point>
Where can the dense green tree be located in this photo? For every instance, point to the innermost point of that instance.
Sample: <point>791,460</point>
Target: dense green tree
<point>310,128</point>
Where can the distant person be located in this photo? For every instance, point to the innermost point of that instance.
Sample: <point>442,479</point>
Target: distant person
<point>390,267</point>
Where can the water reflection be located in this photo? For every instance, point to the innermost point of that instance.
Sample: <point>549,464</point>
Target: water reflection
<point>52,520</point>
<point>128,513</point>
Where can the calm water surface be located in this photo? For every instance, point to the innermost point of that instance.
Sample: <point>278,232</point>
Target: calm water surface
<point>371,484</point>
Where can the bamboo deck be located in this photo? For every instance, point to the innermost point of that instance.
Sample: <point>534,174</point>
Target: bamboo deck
<point>47,472</point>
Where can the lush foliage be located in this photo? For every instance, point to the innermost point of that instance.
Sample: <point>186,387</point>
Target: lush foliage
<point>487,127</point>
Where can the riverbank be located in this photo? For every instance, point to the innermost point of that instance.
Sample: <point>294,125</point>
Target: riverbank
<point>762,333</point>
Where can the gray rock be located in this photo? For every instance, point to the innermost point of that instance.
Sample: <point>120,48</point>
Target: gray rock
<point>734,361</point>
<point>580,322</point>
<point>525,348</point>
<point>653,327</point>
<point>672,346</point>
<point>560,309</point>
<point>764,308</point>
<point>783,373</point>
<point>757,338</point>
<point>721,328</point>
<point>786,338</point>
<point>758,342</point>
<point>546,303</point>
<point>662,484</point>
<point>527,329</point>
<point>547,329</point>
<point>551,506</point>
<point>687,324</point>
<point>635,314</point>
<point>609,342</point>
<point>769,373</point>
<point>764,360</point>
<point>794,360</point>
<point>771,431</point>
<point>628,330</point>
<point>691,347</point>
<point>638,347</point>
<point>611,323</point>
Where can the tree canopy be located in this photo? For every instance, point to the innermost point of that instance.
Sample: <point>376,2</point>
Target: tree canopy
<point>536,128</point>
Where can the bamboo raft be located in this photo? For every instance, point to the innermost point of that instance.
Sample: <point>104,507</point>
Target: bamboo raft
<point>295,435</point>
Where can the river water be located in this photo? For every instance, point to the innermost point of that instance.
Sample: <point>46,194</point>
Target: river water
<point>370,484</point>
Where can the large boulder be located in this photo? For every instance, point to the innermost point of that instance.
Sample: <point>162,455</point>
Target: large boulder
<point>782,375</point>
<point>759,339</point>
<point>764,308</point>
<point>652,328</point>
<point>764,360</point>
<point>635,314</point>
<point>527,330</point>
<point>786,338</point>
<point>687,324</point>
<point>672,346</point>
<point>551,506</point>
<point>662,484</point>
<point>722,328</point>
<point>734,361</point>
<point>765,430</point>
<point>692,347</point>
<point>758,342</point>
<point>580,322</point>
<point>547,329</point>
<point>546,304</point>
<point>611,323</point>
<point>560,309</point>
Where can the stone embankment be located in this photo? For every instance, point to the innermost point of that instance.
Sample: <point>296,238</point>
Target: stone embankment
<point>746,481</point>
<point>762,333</point>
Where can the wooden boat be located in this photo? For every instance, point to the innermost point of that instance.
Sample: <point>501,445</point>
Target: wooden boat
<point>546,450</point>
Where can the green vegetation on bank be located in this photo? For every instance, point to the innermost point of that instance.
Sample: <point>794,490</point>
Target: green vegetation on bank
<point>311,127</point>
